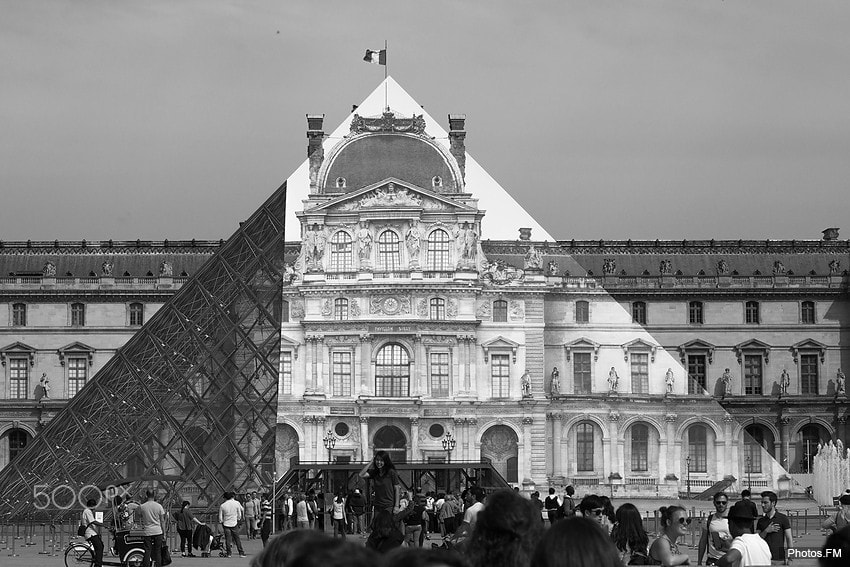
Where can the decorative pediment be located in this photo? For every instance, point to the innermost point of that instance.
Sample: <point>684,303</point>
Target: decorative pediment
<point>752,345</point>
<point>18,349</point>
<point>582,344</point>
<point>75,349</point>
<point>639,344</point>
<point>288,344</point>
<point>388,122</point>
<point>394,193</point>
<point>696,345</point>
<point>809,345</point>
<point>499,343</point>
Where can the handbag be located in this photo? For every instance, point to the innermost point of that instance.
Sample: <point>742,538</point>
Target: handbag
<point>165,555</point>
<point>81,530</point>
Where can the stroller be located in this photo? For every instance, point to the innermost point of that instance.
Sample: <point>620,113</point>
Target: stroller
<point>217,545</point>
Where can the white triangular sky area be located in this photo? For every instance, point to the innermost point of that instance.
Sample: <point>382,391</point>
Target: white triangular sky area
<point>504,216</point>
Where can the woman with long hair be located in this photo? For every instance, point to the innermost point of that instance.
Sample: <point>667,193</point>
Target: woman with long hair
<point>506,532</point>
<point>385,483</point>
<point>576,542</point>
<point>629,536</point>
<point>337,510</point>
<point>674,524</point>
<point>186,522</point>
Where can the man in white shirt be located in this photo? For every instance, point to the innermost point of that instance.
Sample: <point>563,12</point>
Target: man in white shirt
<point>92,534</point>
<point>151,516</point>
<point>748,549</point>
<point>476,494</point>
<point>230,514</point>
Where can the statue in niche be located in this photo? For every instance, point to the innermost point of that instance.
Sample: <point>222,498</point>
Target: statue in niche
<point>727,382</point>
<point>839,383</point>
<point>314,248</point>
<point>666,267</point>
<point>722,268</point>
<point>669,380</point>
<point>552,268</point>
<point>525,383</point>
<point>555,384</point>
<point>533,259</point>
<point>613,380</point>
<point>42,390</point>
<point>466,242</point>
<point>784,382</point>
<point>778,268</point>
<point>49,270</point>
<point>289,274</point>
<point>834,266</point>
<point>166,270</point>
<point>609,266</point>
<point>106,268</point>
<point>413,241</point>
<point>364,243</point>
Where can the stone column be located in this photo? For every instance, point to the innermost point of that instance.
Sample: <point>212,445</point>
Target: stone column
<point>557,432</point>
<point>842,428</point>
<point>460,435</point>
<point>322,454</point>
<point>365,455</point>
<point>525,451</point>
<point>471,433</point>
<point>309,384</point>
<point>319,365</point>
<point>365,364</point>
<point>307,425</point>
<point>414,439</point>
<point>613,433</point>
<point>728,460</point>
<point>672,465</point>
<point>473,366</point>
<point>460,354</point>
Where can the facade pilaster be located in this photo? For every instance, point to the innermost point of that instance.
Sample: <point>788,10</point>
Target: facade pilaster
<point>616,447</point>
<point>364,439</point>
<point>321,453</point>
<point>525,458</point>
<point>785,440</point>
<point>669,453</point>
<point>460,436</point>
<point>414,439</point>
<point>557,433</point>
<point>729,460</point>
<point>473,366</point>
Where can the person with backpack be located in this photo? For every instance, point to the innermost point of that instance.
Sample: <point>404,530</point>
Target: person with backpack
<point>568,507</point>
<point>552,506</point>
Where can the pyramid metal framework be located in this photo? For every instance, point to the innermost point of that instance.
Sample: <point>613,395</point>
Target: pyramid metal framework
<point>190,399</point>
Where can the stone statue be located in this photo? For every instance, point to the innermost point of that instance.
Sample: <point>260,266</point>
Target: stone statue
<point>525,383</point>
<point>43,388</point>
<point>314,248</point>
<point>533,259</point>
<point>666,267</point>
<point>722,268</point>
<point>784,382</point>
<point>467,244</point>
<point>609,266</point>
<point>669,380</point>
<point>727,382</point>
<point>839,383</point>
<point>555,384</point>
<point>106,268</point>
<point>552,268</point>
<point>778,268</point>
<point>364,243</point>
<point>613,380</point>
<point>166,270</point>
<point>834,266</point>
<point>49,270</point>
<point>413,241</point>
<point>289,274</point>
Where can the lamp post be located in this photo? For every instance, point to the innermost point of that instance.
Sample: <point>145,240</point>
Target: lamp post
<point>688,461</point>
<point>274,496</point>
<point>449,444</point>
<point>749,473</point>
<point>329,441</point>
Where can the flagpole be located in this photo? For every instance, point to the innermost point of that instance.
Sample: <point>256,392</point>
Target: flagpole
<point>386,70</point>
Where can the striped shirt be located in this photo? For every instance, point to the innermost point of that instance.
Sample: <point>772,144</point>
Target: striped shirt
<point>266,509</point>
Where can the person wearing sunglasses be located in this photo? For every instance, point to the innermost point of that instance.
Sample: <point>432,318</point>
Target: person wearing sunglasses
<point>674,524</point>
<point>715,537</point>
<point>592,508</point>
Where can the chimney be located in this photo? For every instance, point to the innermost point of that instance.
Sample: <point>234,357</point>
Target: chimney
<point>457,135</point>
<point>315,151</point>
<point>830,234</point>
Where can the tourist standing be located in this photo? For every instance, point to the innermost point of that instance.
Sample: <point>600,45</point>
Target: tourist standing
<point>385,483</point>
<point>230,513</point>
<point>92,534</point>
<point>553,506</point>
<point>357,507</point>
<point>337,510</point>
<point>774,528</point>
<point>715,538</point>
<point>674,524</point>
<point>841,518</point>
<point>265,518</point>
<point>252,507</point>
<point>152,519</point>
<point>629,536</point>
<point>186,522</point>
<point>747,549</point>
<point>302,515</point>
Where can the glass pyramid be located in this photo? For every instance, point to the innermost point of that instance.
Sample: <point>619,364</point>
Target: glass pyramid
<point>188,404</point>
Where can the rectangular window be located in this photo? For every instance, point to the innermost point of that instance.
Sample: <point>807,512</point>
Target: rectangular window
<point>752,374</point>
<point>582,312</point>
<point>440,374</point>
<point>581,372</point>
<point>752,312</point>
<point>342,374</point>
<point>639,312</point>
<point>19,315</point>
<point>640,448</point>
<point>500,374</point>
<point>640,373</point>
<point>137,314</point>
<point>695,312</point>
<point>500,311</point>
<point>286,371</point>
<point>699,457</point>
<point>807,312</point>
<point>696,373</point>
<point>584,447</point>
<point>77,374</point>
<point>78,314</point>
<point>18,378</point>
<point>752,457</point>
<point>809,373</point>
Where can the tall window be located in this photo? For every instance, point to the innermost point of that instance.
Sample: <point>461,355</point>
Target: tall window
<point>19,315</point>
<point>440,374</point>
<point>582,312</point>
<point>340,309</point>
<point>751,310</point>
<point>581,372</point>
<point>439,246</point>
<point>78,314</point>
<point>753,442</point>
<point>640,447</point>
<point>284,311</point>
<point>500,375</point>
<point>17,442</point>
<point>500,311</point>
<point>137,314</point>
<point>808,373</point>
<point>389,251</point>
<point>698,448</point>
<point>341,373</point>
<point>696,374</point>
<point>811,439</point>
<point>640,372</point>
<point>639,312</point>
<point>807,312</point>
<point>286,371</point>
<point>18,378</point>
<point>584,447</point>
<point>392,372</point>
<point>437,309</point>
<point>695,313</point>
<point>752,374</point>
<point>77,374</point>
<point>341,252</point>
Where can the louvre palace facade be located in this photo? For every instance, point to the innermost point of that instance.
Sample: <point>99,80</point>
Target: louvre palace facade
<point>418,302</point>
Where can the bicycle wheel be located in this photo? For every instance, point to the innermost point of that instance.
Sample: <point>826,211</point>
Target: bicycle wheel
<point>134,558</point>
<point>78,555</point>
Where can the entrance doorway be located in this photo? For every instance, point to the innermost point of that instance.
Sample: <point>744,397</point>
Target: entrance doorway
<point>392,440</point>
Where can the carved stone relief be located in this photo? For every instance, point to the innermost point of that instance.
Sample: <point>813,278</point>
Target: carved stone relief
<point>389,305</point>
<point>517,309</point>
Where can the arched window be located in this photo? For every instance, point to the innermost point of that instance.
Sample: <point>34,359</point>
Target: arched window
<point>811,439</point>
<point>342,257</point>
<point>137,314</point>
<point>640,447</point>
<point>582,311</point>
<point>751,310</point>
<point>584,447</point>
<point>639,312</point>
<point>695,312</point>
<point>500,311</point>
<point>807,312</point>
<point>753,443</point>
<point>389,251</point>
<point>437,309</point>
<point>698,448</point>
<point>392,372</point>
<point>340,309</point>
<point>438,256</point>
<point>18,439</point>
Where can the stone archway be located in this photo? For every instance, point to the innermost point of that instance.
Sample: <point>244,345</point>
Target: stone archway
<point>392,440</point>
<point>286,448</point>
<point>500,447</point>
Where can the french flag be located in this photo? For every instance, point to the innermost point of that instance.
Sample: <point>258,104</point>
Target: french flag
<point>376,57</point>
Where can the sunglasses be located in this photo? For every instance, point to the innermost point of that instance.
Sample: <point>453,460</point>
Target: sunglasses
<point>685,521</point>
<point>721,503</point>
<point>597,511</point>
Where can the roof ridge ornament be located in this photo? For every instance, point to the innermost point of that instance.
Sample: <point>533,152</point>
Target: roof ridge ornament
<point>388,122</point>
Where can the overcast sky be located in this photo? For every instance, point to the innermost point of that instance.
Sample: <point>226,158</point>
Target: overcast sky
<point>628,119</point>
